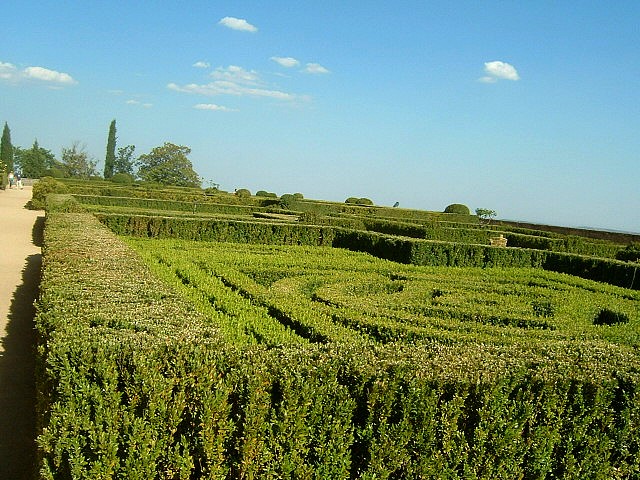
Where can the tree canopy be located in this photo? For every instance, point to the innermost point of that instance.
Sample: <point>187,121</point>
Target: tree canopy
<point>124,160</point>
<point>168,165</point>
<point>35,161</point>
<point>77,163</point>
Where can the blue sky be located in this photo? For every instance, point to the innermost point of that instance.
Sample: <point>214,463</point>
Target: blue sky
<point>528,108</point>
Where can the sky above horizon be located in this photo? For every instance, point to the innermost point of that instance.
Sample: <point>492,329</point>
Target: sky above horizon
<point>531,109</point>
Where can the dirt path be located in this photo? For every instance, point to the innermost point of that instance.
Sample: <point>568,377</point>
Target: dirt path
<point>20,261</point>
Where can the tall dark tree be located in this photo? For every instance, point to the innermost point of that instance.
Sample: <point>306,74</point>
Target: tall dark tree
<point>6,149</point>
<point>110,159</point>
<point>168,165</point>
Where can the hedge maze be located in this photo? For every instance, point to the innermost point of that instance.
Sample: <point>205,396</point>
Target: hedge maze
<point>183,337</point>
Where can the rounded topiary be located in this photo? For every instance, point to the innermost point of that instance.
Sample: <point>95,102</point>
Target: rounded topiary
<point>263,193</point>
<point>122,178</point>
<point>353,200</point>
<point>298,196</point>
<point>287,200</point>
<point>364,201</point>
<point>243,193</point>
<point>457,208</point>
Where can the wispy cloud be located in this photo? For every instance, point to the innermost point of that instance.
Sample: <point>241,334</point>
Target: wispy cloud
<point>498,70</point>
<point>201,64</point>
<point>10,72</point>
<point>237,24</point>
<point>287,62</point>
<point>213,107</point>
<point>141,104</point>
<point>316,68</point>
<point>221,87</point>
<point>236,81</point>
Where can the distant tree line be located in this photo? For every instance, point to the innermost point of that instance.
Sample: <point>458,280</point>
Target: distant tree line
<point>166,165</point>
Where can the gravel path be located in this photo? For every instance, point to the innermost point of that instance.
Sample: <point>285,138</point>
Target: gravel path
<point>20,261</point>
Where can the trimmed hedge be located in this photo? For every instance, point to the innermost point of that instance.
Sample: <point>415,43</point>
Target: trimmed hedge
<point>399,249</point>
<point>134,384</point>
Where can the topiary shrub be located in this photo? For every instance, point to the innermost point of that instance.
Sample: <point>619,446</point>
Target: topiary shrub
<point>243,193</point>
<point>364,201</point>
<point>287,200</point>
<point>122,178</point>
<point>352,200</point>
<point>457,208</point>
<point>41,189</point>
<point>263,193</point>
<point>298,196</point>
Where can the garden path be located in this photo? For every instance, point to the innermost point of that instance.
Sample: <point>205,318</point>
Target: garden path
<point>20,262</point>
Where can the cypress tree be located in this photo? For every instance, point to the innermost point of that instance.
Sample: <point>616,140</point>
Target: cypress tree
<point>6,149</point>
<point>110,159</point>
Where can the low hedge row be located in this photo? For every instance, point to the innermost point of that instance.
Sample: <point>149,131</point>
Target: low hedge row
<point>135,384</point>
<point>400,249</point>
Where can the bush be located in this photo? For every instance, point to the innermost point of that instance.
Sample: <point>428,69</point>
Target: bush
<point>457,208</point>
<point>298,196</point>
<point>122,178</point>
<point>352,200</point>
<point>56,172</point>
<point>364,201</point>
<point>42,188</point>
<point>262,193</point>
<point>243,193</point>
<point>287,201</point>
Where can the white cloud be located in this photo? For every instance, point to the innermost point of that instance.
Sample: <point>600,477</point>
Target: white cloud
<point>315,68</point>
<point>201,64</point>
<point>287,62</point>
<point>213,107</point>
<point>46,75</point>
<point>237,24</point>
<point>236,74</point>
<point>498,70</point>
<point>9,72</point>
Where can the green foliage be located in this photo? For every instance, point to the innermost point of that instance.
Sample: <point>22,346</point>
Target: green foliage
<point>242,193</point>
<point>263,193</point>
<point>352,200</point>
<point>485,214</point>
<point>6,149</point>
<point>123,162</point>
<point>77,163</point>
<point>110,158</point>
<point>136,382</point>
<point>42,189</point>
<point>631,253</point>
<point>122,178</point>
<point>34,162</point>
<point>457,208</point>
<point>168,165</point>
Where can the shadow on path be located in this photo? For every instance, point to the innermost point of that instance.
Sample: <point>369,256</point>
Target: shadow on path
<point>17,379</point>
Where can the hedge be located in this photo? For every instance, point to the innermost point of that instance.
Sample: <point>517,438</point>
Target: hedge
<point>133,383</point>
<point>399,249</point>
